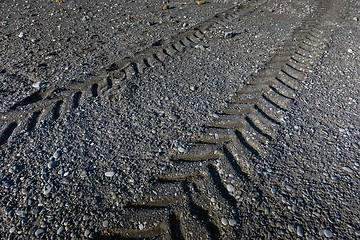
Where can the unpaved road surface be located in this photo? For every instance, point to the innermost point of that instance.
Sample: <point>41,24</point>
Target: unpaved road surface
<point>224,120</point>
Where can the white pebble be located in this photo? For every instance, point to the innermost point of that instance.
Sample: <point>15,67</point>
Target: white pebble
<point>181,149</point>
<point>224,221</point>
<point>39,232</point>
<point>232,222</point>
<point>356,19</point>
<point>21,35</point>
<point>60,230</point>
<point>350,50</point>
<point>110,174</point>
<point>328,233</point>
<point>230,188</point>
<point>300,231</point>
<point>39,84</point>
<point>347,169</point>
<point>12,230</point>
<point>105,223</point>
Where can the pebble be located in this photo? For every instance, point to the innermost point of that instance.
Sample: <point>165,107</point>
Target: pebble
<point>57,154</point>
<point>357,233</point>
<point>230,188</point>
<point>181,149</point>
<point>328,233</point>
<point>141,226</point>
<point>47,190</point>
<point>39,84</point>
<point>232,222</point>
<point>356,19</point>
<point>350,50</point>
<point>174,117</point>
<point>21,35</point>
<point>273,190</point>
<point>224,221</point>
<point>300,231</point>
<point>110,173</point>
<point>60,230</point>
<point>12,169</point>
<point>229,34</point>
<point>51,164</point>
<point>12,230</point>
<point>39,232</point>
<point>105,223</point>
<point>347,169</point>
<point>87,233</point>
<point>289,187</point>
<point>201,47</point>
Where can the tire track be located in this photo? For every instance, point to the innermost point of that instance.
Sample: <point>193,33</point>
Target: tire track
<point>250,121</point>
<point>53,102</point>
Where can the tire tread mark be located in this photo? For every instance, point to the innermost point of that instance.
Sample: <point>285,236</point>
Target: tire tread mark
<point>202,214</point>
<point>6,133</point>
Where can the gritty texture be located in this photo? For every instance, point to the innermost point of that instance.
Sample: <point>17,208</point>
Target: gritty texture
<point>74,178</point>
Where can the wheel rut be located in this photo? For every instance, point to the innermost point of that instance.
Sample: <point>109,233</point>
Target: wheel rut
<point>228,146</point>
<point>57,100</point>
<point>200,199</point>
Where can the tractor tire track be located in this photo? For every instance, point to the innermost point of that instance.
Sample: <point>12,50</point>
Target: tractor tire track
<point>200,198</point>
<point>52,103</point>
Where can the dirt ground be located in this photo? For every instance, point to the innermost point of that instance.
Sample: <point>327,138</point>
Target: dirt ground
<point>218,120</point>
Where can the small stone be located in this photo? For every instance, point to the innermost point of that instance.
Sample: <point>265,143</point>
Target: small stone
<point>267,211</point>
<point>347,169</point>
<point>224,221</point>
<point>356,19</point>
<point>12,230</point>
<point>38,85</point>
<point>86,217</point>
<point>51,164</point>
<point>289,187</point>
<point>20,213</point>
<point>350,50</point>
<point>47,190</point>
<point>201,47</point>
<point>328,233</point>
<point>232,222</point>
<point>110,173</point>
<point>57,154</point>
<point>60,230</point>
<point>174,117</point>
<point>105,223</point>
<point>141,226</point>
<point>39,232</point>
<point>300,231</point>
<point>87,233</point>
<point>200,2</point>
<point>12,169</point>
<point>229,34</point>
<point>21,35</point>
<point>181,149</point>
<point>273,190</point>
<point>230,188</point>
<point>357,233</point>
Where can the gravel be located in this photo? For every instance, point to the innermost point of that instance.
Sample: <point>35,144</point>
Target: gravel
<point>105,154</point>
